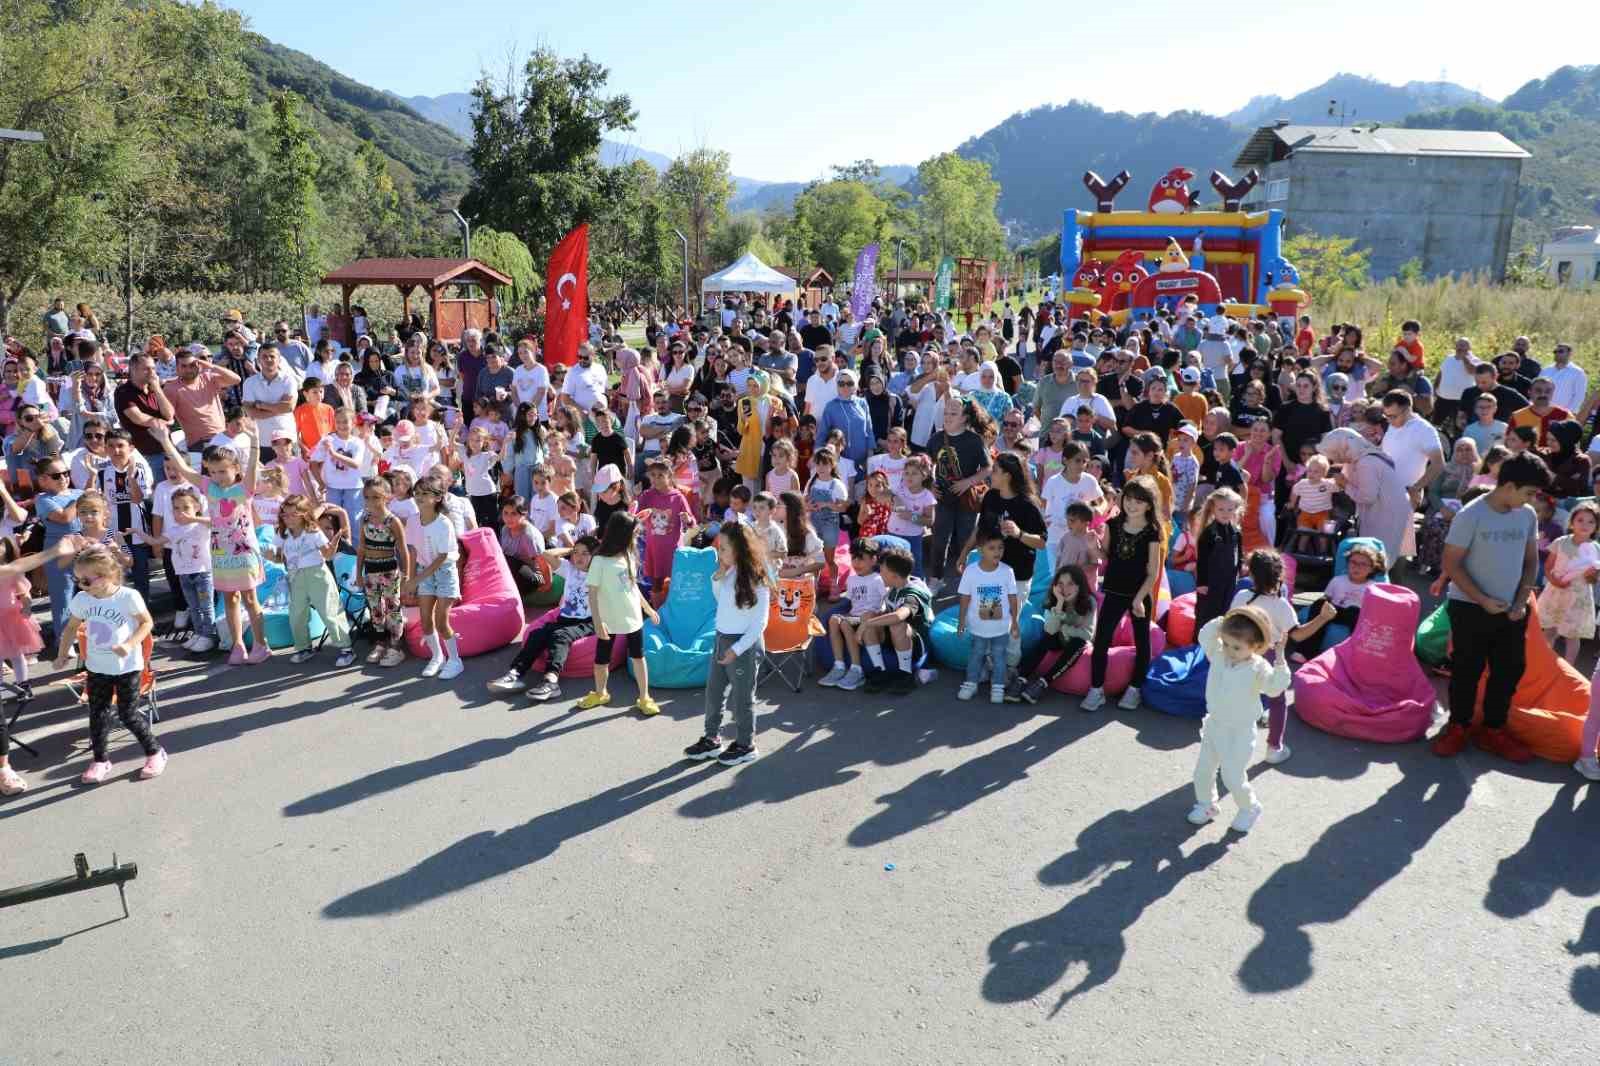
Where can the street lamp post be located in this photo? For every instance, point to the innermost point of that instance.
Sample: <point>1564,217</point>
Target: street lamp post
<point>685,242</point>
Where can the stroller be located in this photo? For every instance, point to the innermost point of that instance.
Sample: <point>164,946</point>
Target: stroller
<point>1313,549</point>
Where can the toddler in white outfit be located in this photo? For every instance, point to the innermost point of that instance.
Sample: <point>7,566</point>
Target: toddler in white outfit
<point>1240,675</point>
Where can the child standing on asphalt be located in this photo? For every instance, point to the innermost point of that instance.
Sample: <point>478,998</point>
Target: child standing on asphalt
<point>1239,677</point>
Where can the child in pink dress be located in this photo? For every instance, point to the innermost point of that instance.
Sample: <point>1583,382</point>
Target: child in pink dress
<point>19,633</point>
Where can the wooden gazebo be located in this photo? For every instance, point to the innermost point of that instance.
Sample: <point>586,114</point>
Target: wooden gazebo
<point>815,285</point>
<point>448,317</point>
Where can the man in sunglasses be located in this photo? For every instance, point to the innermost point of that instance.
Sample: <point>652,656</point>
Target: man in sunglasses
<point>292,349</point>
<point>196,398</point>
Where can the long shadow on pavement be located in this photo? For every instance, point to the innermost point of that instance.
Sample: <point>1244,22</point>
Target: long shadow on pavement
<point>455,760</point>
<point>1559,854</point>
<point>1134,859</point>
<point>1354,858</point>
<point>484,856</point>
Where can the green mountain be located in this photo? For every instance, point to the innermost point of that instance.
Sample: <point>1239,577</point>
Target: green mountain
<point>1357,99</point>
<point>423,154</point>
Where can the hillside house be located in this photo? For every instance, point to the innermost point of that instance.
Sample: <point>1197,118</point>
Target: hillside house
<point>1572,256</point>
<point>1444,197</point>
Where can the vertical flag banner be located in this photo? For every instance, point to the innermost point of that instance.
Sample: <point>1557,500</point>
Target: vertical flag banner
<point>566,298</point>
<point>988,284</point>
<point>864,285</point>
<point>941,284</point>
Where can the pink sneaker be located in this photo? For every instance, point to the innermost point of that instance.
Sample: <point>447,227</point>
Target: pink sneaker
<point>259,654</point>
<point>96,773</point>
<point>236,656</point>
<point>154,765</point>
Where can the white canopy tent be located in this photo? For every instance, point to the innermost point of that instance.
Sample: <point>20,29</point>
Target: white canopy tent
<point>748,274</point>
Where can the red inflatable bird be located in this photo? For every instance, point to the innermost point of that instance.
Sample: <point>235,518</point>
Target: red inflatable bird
<point>1171,196</point>
<point>1125,272</point>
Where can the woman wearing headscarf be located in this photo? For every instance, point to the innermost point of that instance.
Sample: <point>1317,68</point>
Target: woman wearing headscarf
<point>1570,469</point>
<point>1369,478</point>
<point>754,407</point>
<point>636,388</point>
<point>990,393</point>
<point>887,409</point>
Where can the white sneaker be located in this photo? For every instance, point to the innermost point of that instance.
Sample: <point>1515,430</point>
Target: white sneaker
<point>1093,700</point>
<point>201,644</point>
<point>1130,699</point>
<point>834,676</point>
<point>433,668</point>
<point>997,693</point>
<point>510,681</point>
<point>452,669</point>
<point>967,690</point>
<point>1201,813</point>
<point>1278,754</point>
<point>1589,767</point>
<point>1245,820</point>
<point>853,679</point>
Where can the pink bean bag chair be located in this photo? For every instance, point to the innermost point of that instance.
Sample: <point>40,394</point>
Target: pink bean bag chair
<point>1180,621</point>
<point>489,615</point>
<point>1119,662</point>
<point>580,659</point>
<point>1370,686</point>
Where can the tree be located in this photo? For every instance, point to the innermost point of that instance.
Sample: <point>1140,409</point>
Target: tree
<point>294,215</point>
<point>1327,265</point>
<point>697,187</point>
<point>511,257</point>
<point>535,151</point>
<point>111,86</point>
<point>740,234</point>
<point>840,217</point>
<point>863,170</point>
<point>630,241</point>
<point>955,207</point>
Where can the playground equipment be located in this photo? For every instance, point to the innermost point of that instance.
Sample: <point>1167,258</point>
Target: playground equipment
<point>1132,263</point>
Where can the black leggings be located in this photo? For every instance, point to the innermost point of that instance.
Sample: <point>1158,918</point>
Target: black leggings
<point>172,581</point>
<point>602,646</point>
<point>125,687</point>
<point>558,638</point>
<point>1071,649</point>
<point>486,509</point>
<point>1112,608</point>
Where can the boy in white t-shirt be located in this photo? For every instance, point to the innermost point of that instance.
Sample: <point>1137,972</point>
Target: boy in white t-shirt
<point>1071,485</point>
<point>544,506</point>
<point>864,589</point>
<point>989,613</point>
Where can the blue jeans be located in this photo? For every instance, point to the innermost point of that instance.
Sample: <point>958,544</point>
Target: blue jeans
<point>158,467</point>
<point>350,501</point>
<point>202,607</point>
<point>141,570</point>
<point>915,544</point>
<point>59,579</point>
<point>993,649</point>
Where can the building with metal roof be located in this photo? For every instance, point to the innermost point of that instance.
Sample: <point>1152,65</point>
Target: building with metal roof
<point>1445,198</point>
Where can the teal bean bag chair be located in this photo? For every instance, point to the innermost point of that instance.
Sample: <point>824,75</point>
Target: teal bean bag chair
<point>273,595</point>
<point>678,651</point>
<point>1334,633</point>
<point>951,649</point>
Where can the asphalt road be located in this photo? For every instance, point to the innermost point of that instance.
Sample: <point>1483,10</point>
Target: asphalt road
<point>364,867</point>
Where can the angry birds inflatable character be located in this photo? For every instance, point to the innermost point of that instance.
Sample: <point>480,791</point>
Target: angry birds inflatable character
<point>1171,195</point>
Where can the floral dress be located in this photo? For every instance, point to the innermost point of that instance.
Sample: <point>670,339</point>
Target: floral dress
<point>235,555</point>
<point>1570,611</point>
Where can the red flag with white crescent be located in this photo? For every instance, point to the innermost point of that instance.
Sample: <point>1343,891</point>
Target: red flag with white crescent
<point>566,298</point>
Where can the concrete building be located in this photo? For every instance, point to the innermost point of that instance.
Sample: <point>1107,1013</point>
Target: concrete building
<point>1444,197</point>
<point>1572,256</point>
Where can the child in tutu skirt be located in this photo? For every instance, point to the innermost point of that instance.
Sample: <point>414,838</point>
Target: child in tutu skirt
<point>19,633</point>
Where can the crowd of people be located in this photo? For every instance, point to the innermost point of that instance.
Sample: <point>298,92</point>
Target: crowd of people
<point>956,461</point>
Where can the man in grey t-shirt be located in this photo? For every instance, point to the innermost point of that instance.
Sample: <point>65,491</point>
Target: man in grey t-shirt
<point>1491,556</point>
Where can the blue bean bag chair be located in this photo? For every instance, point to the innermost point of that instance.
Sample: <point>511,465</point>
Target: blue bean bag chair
<point>273,595</point>
<point>678,651</point>
<point>344,570</point>
<point>1176,683</point>
<point>1181,582</point>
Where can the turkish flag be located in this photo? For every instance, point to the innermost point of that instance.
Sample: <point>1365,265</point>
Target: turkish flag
<point>566,298</point>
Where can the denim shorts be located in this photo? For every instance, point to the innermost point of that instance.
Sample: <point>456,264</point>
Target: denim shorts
<point>444,583</point>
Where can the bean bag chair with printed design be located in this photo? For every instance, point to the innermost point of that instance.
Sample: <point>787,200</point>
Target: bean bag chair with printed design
<point>678,651</point>
<point>489,614</point>
<point>1371,686</point>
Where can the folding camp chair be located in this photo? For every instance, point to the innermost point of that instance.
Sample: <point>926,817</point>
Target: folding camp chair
<point>22,695</point>
<point>352,598</point>
<point>79,684</point>
<point>791,626</point>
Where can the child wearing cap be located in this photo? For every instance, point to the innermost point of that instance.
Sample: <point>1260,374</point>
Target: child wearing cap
<point>1185,469</point>
<point>1189,399</point>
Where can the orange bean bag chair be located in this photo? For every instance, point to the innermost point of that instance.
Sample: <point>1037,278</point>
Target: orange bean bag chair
<point>1180,621</point>
<point>1550,703</point>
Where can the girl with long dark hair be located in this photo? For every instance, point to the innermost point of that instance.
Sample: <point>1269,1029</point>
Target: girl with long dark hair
<point>742,589</point>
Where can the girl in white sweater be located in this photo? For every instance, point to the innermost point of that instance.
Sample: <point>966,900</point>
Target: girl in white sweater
<point>1235,645</point>
<point>742,589</point>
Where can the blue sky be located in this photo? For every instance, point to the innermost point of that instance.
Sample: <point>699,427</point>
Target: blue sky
<point>899,82</point>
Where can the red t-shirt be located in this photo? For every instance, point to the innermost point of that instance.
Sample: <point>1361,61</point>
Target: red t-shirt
<point>1414,348</point>
<point>1305,340</point>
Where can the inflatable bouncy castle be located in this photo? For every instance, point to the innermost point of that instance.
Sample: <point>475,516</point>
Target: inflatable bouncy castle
<point>1130,263</point>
